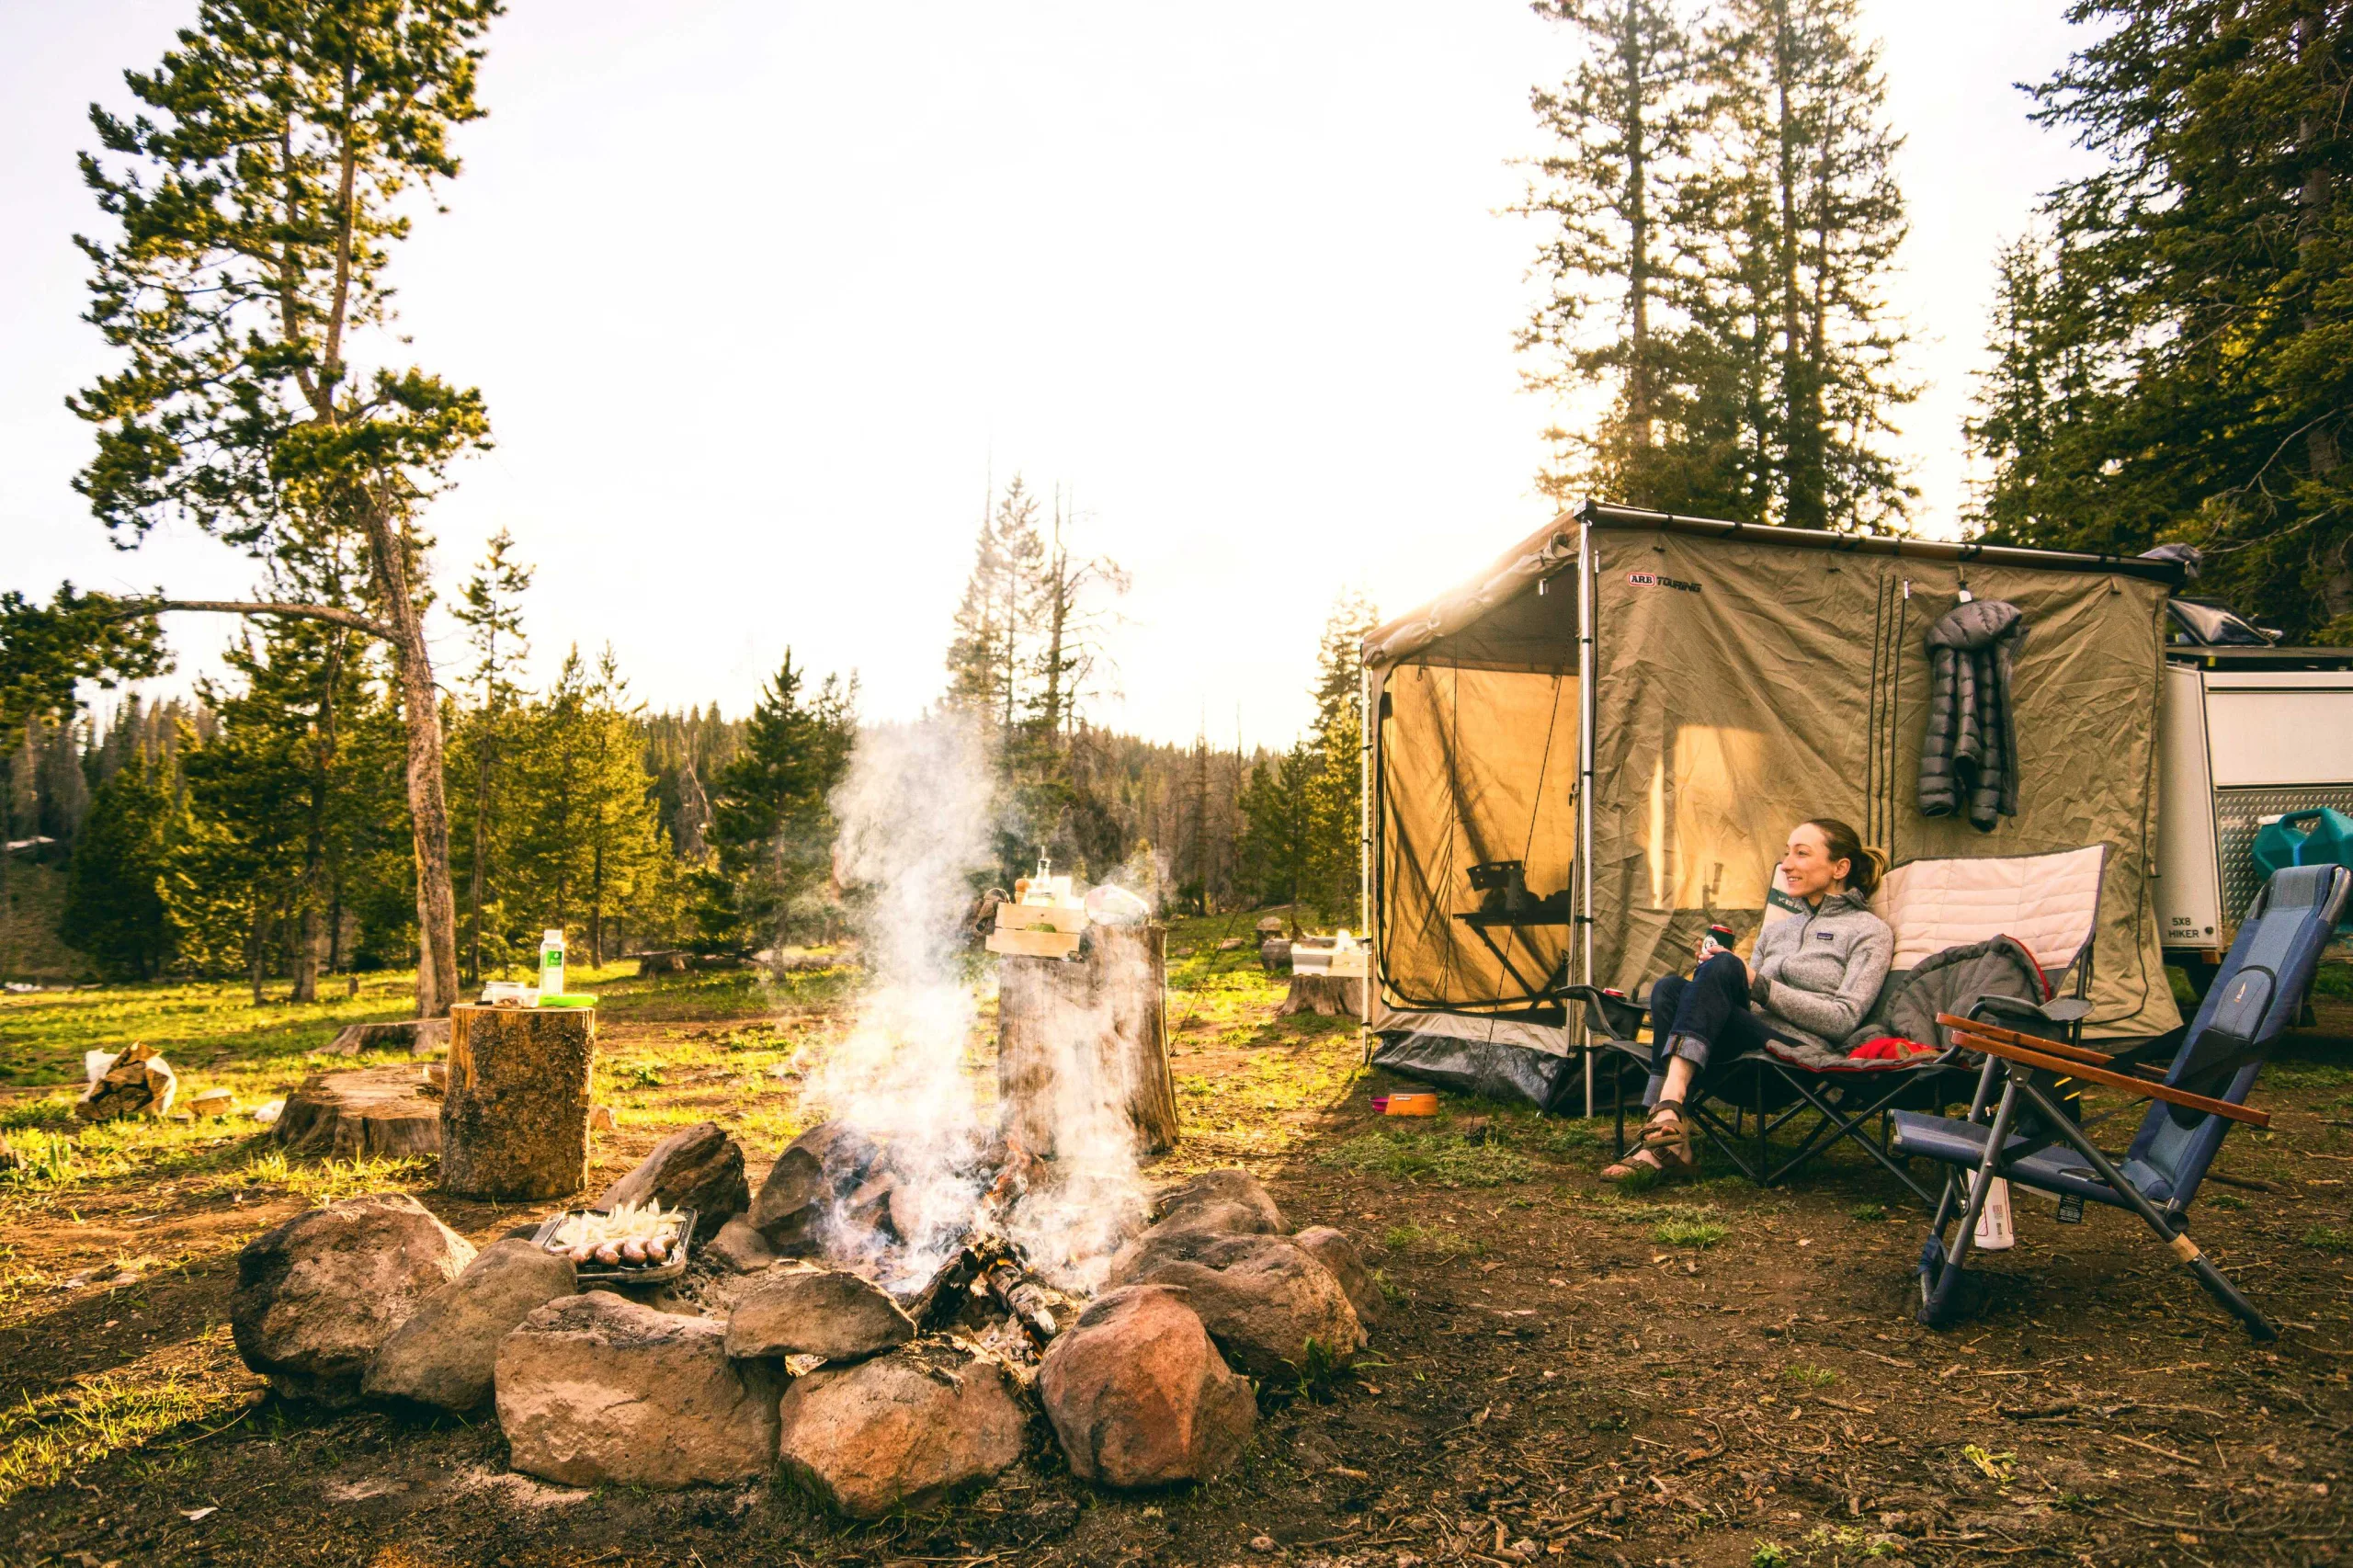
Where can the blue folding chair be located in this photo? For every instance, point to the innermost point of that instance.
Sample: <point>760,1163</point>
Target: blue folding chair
<point>2258,993</point>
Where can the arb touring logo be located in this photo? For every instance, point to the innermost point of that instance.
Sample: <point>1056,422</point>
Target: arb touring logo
<point>1653,580</point>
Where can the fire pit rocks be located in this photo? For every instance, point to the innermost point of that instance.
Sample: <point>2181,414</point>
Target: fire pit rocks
<point>904,1430</point>
<point>594,1390</point>
<point>317,1295</point>
<point>1139,1396</point>
<point>816,1312</point>
<point>444,1355</point>
<point>877,1365</point>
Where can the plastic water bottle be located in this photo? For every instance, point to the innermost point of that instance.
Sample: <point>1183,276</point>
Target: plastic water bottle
<point>1994,1232</point>
<point>551,964</point>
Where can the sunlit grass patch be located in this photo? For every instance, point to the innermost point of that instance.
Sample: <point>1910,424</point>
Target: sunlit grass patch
<point>1689,1233</point>
<point>1431,1241</point>
<point>1437,1156</point>
<point>324,1181</point>
<point>2328,1238</point>
<point>44,1439</point>
<point>1806,1375</point>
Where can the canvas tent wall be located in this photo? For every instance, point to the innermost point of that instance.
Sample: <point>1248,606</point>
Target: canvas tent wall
<point>1737,680</point>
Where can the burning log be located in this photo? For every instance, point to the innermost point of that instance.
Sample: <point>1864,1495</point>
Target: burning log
<point>1030,1303</point>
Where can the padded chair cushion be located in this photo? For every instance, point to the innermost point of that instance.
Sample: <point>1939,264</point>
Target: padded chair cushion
<point>2049,903</point>
<point>2059,1168</point>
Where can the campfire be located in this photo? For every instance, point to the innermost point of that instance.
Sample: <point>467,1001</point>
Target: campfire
<point>913,1278</point>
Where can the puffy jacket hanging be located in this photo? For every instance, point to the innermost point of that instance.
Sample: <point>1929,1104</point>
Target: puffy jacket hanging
<point>1969,756</point>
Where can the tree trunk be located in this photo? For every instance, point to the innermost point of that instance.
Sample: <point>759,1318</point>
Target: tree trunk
<point>436,913</point>
<point>1638,270</point>
<point>1070,1035</point>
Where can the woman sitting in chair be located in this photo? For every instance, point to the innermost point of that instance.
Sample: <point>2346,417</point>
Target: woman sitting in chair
<point>1812,978</point>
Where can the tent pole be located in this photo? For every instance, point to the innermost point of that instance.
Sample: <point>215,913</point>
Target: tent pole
<point>1584,794</point>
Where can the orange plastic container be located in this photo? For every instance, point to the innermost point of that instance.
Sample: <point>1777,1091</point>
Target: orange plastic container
<point>1414,1104</point>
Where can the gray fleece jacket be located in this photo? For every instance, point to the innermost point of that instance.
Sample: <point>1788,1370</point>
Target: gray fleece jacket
<point>1824,969</point>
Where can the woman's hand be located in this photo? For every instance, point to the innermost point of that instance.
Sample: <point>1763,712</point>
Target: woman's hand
<point>1760,990</point>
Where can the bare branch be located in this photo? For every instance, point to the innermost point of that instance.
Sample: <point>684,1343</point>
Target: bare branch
<point>131,609</point>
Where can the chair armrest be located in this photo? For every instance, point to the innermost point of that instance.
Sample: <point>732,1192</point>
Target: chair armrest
<point>2059,1010</point>
<point>1621,1016</point>
<point>2023,1051</point>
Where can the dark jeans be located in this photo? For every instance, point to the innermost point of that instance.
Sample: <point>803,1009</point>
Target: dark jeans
<point>1694,1018</point>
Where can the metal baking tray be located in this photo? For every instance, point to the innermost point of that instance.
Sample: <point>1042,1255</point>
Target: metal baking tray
<point>605,1274</point>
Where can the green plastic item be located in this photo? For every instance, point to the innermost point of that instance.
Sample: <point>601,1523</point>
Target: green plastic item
<point>568,999</point>
<point>2315,837</point>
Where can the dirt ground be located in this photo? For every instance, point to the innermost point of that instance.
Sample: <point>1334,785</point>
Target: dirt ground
<point>1697,1375</point>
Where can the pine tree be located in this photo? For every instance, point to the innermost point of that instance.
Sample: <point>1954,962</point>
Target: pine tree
<point>491,610</point>
<point>1786,231</point>
<point>772,827</point>
<point>2204,303</point>
<point>1279,824</point>
<point>627,855</point>
<point>291,808</point>
<point>276,160</point>
<point>997,617</point>
<point>1622,125</point>
<point>114,895</point>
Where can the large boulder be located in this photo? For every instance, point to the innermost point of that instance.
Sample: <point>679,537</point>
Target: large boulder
<point>1140,1397</point>
<point>443,1356</point>
<point>698,1167</point>
<point>1265,1300</point>
<point>1233,1201</point>
<point>904,1430</point>
<point>816,1312</point>
<point>1333,1250</point>
<point>317,1295</point>
<point>593,1391</point>
<point>820,1166</point>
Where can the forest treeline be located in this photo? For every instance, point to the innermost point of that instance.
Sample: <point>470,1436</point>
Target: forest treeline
<point>2167,357</point>
<point>1718,208</point>
<point>260,829</point>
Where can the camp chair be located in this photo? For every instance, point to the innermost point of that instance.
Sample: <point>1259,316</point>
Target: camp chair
<point>2257,993</point>
<point>2045,908</point>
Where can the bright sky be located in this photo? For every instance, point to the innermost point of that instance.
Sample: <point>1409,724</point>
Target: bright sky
<point>759,293</point>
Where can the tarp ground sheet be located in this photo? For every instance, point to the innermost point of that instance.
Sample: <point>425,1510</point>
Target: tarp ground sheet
<point>1743,686</point>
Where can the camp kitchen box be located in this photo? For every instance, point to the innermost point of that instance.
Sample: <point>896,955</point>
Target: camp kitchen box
<point>2249,736</point>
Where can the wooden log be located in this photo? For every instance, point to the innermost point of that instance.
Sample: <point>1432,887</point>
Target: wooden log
<point>514,1115</point>
<point>1112,1003</point>
<point>385,1112</point>
<point>1325,995</point>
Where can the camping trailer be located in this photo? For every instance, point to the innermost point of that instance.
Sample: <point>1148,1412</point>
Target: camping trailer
<point>2252,732</point>
<point>1580,760</point>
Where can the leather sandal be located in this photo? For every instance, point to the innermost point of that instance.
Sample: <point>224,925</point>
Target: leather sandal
<point>1664,1146</point>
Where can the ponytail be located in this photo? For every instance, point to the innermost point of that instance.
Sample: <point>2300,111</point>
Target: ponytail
<point>1866,863</point>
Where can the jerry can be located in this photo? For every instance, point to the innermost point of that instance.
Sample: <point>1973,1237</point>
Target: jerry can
<point>2322,836</point>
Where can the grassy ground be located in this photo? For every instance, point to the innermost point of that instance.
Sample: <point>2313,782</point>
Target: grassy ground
<point>1704,1374</point>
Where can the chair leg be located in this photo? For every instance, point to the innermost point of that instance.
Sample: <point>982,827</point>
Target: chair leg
<point>2217,1285</point>
<point>1939,1276</point>
<point>1618,1107</point>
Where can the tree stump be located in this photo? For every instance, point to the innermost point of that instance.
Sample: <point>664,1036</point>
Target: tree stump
<point>1104,1013</point>
<point>515,1114</point>
<point>387,1112</point>
<point>418,1036</point>
<point>1325,995</point>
